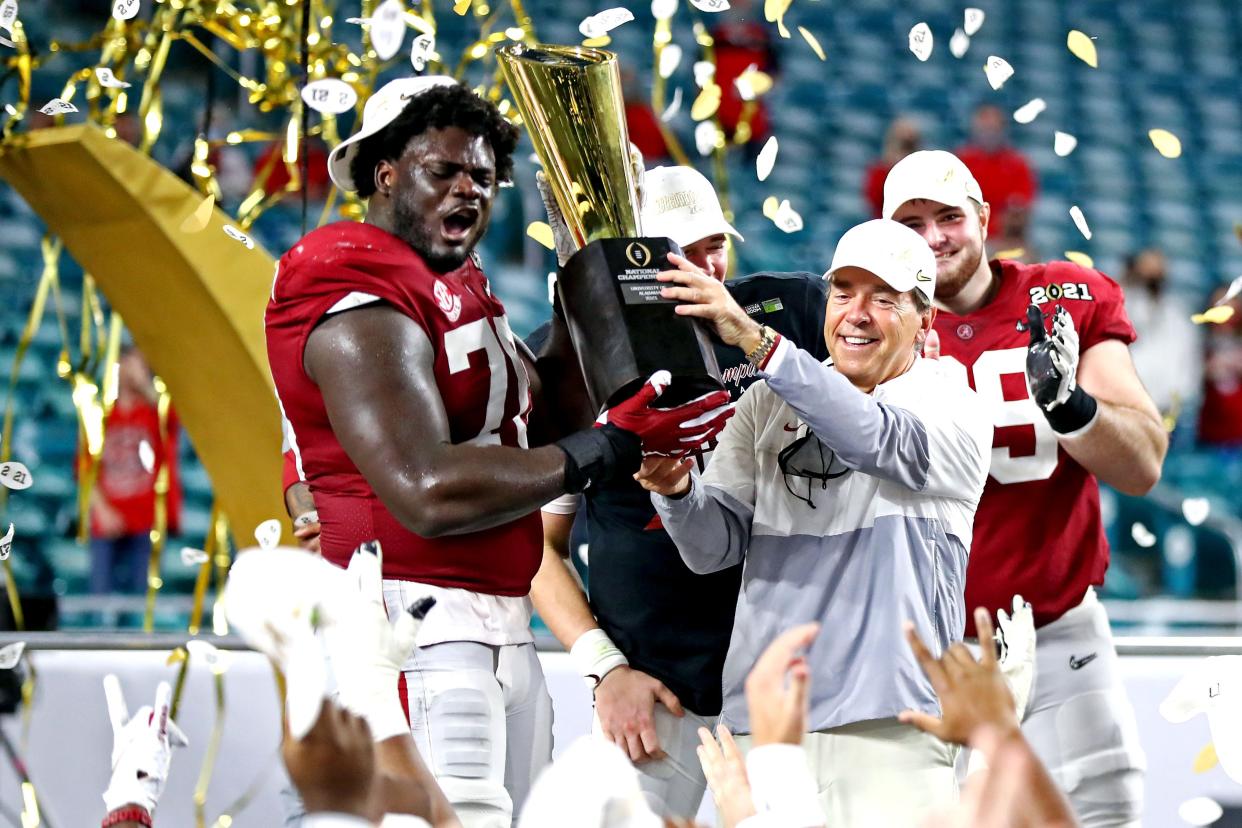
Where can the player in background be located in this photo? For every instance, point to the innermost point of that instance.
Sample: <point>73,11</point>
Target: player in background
<point>1068,409</point>
<point>407,398</point>
<point>652,642</point>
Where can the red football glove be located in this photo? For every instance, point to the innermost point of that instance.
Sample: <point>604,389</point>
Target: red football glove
<point>671,432</point>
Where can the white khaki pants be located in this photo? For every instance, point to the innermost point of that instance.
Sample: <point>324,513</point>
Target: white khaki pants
<point>674,786</point>
<point>879,772</point>
<point>1080,722</point>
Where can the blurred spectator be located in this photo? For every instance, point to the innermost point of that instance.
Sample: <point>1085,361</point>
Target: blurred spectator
<point>640,119</point>
<point>1220,418</point>
<point>317,181</point>
<point>741,42</point>
<point>902,138</point>
<point>123,499</point>
<point>1007,181</point>
<point>1166,354</point>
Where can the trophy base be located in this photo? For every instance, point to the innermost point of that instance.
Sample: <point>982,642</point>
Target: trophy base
<point>623,330</point>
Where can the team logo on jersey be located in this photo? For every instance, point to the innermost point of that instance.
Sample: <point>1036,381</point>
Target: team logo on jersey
<point>448,301</point>
<point>638,254</point>
<point>1065,290</point>
<point>965,331</point>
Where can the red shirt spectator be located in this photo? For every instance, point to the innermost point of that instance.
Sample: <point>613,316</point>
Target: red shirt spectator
<point>1007,181</point>
<point>1220,419</point>
<point>902,138</point>
<point>741,44</point>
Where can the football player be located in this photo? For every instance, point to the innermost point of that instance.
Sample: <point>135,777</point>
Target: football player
<point>653,640</point>
<point>1068,410</point>
<point>407,398</point>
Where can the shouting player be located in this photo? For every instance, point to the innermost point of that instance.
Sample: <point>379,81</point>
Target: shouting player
<point>1068,409</point>
<point>407,399</point>
<point>653,641</point>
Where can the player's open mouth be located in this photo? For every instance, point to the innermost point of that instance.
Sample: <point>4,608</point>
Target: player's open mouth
<point>458,224</point>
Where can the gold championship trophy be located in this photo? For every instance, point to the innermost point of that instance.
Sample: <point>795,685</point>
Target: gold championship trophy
<point>620,327</point>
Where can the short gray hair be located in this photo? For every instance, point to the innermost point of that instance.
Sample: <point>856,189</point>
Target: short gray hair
<point>921,303</point>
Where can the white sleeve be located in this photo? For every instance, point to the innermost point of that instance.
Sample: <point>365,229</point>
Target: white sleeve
<point>566,504</point>
<point>333,820</point>
<point>353,300</point>
<point>782,788</point>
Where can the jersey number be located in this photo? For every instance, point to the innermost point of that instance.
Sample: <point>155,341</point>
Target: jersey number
<point>1015,420</point>
<point>478,335</point>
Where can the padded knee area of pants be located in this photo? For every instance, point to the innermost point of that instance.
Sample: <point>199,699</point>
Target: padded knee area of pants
<point>461,733</point>
<point>1097,739</point>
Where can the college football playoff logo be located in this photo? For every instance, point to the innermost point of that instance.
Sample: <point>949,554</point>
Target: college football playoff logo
<point>638,254</point>
<point>448,301</point>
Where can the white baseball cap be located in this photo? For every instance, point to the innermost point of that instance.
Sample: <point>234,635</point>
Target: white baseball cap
<point>891,251</point>
<point>381,109</point>
<point>934,175</point>
<point>679,202</point>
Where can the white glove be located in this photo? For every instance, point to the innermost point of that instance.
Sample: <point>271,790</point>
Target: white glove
<point>368,652</point>
<point>564,240</point>
<point>141,747</point>
<point>1016,634</point>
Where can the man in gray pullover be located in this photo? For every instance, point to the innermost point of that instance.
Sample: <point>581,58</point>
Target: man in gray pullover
<point>848,489</point>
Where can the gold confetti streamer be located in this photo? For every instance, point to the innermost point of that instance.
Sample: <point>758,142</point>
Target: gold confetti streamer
<point>1012,253</point>
<point>1080,259</point>
<point>1218,315</point>
<point>1165,142</point>
<point>197,221</point>
<point>707,102</point>
<point>541,232</point>
<point>1083,48</point>
<point>1206,760</point>
<point>810,39</point>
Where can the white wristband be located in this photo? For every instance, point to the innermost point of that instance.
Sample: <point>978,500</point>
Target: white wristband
<point>324,819</point>
<point>595,656</point>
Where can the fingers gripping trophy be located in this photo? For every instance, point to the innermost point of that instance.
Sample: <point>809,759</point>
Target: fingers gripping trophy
<point>622,330</point>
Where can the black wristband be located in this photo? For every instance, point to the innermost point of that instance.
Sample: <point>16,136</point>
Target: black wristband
<point>1075,413</point>
<point>595,455</point>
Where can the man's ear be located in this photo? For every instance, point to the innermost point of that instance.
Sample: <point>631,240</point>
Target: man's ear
<point>926,320</point>
<point>385,173</point>
<point>985,218</point>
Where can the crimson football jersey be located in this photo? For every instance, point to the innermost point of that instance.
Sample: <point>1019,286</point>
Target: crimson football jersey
<point>481,380</point>
<point>1038,531</point>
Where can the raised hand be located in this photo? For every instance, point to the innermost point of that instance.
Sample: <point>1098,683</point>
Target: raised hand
<point>141,747</point>
<point>670,432</point>
<point>973,694</point>
<point>778,686</point>
<point>709,300</point>
<point>724,767</point>
<point>1051,358</point>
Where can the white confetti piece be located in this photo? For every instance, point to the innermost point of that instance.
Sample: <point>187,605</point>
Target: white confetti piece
<point>674,106</point>
<point>1196,510</point>
<point>959,44</point>
<point>15,475</point>
<point>704,71</point>
<point>1080,221</point>
<point>705,136</point>
<point>1082,47</point>
<point>998,71</point>
<point>1235,287</point>
<point>387,29</point>
<point>8,14</point>
<point>1063,143</point>
<point>422,51</point>
<point>193,557</point>
<point>670,59</point>
<point>331,96</point>
<point>1165,142</point>
<point>6,543</point>
<point>813,42</point>
<point>56,106</point>
<point>146,456</point>
<point>752,83</point>
<point>215,659</point>
<point>921,41</point>
<point>972,20</point>
<point>233,233</point>
<point>267,533</point>
<point>109,80</point>
<point>125,9</point>
<point>601,24</point>
<point>1029,111</point>
<point>710,6</point>
<point>1201,810</point>
<point>663,9</point>
<point>766,159</point>
<point>787,218</point>
<point>11,654</point>
<point>1142,536</point>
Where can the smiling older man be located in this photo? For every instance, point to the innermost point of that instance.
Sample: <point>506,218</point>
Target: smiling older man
<point>848,491</point>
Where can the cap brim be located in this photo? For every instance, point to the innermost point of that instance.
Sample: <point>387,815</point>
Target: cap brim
<point>687,233</point>
<point>342,156</point>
